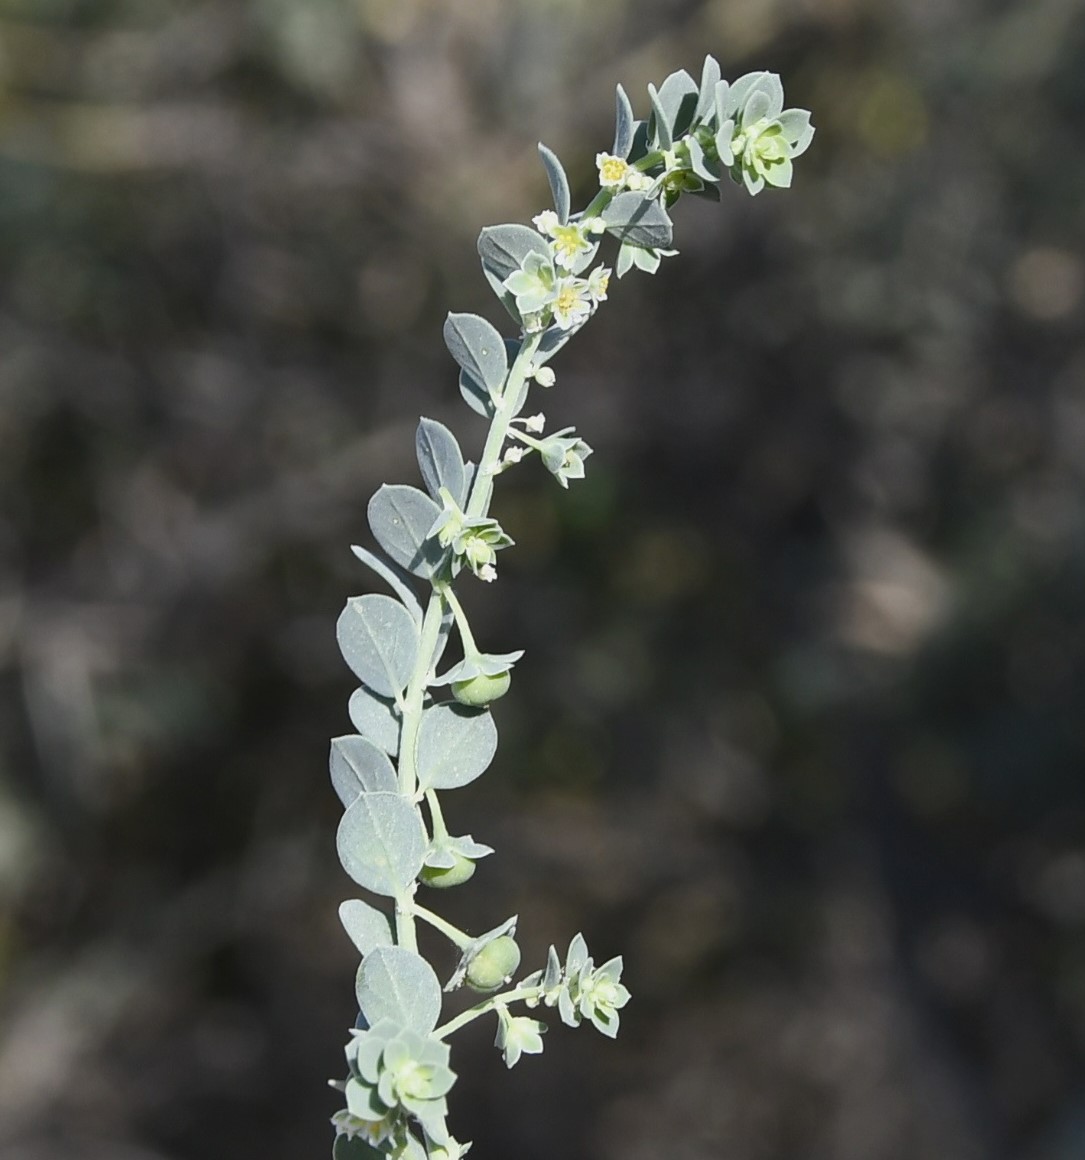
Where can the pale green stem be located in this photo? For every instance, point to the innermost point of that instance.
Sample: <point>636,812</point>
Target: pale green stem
<point>440,830</point>
<point>469,646</point>
<point>473,1013</point>
<point>452,933</point>
<point>483,487</point>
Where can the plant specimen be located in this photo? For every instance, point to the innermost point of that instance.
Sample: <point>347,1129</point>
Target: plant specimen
<point>422,732</point>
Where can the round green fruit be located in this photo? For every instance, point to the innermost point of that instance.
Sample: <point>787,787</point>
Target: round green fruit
<point>481,690</point>
<point>441,877</point>
<point>493,964</point>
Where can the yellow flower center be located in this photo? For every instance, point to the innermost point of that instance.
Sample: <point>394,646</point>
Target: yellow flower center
<point>567,298</point>
<point>613,169</point>
<point>568,240</point>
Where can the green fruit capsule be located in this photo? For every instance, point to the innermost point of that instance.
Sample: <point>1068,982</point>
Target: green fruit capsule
<point>481,690</point>
<point>441,877</point>
<point>493,964</point>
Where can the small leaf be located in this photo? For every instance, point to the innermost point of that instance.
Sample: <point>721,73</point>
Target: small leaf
<point>504,248</point>
<point>440,460</point>
<point>623,124</point>
<point>366,926</point>
<point>559,183</point>
<point>455,745</point>
<point>400,518</point>
<point>642,221</point>
<point>379,641</point>
<point>382,843</point>
<point>394,576</point>
<point>375,718</point>
<point>358,766</point>
<point>677,98</point>
<point>478,348</point>
<point>476,396</point>
<point>398,984</point>
<point>659,128</point>
<point>706,101</point>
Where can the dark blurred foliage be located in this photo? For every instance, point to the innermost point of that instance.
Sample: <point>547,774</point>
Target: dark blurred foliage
<point>801,724</point>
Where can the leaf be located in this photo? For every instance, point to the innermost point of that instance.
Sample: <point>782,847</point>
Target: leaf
<point>559,183</point>
<point>455,745</point>
<point>375,718</point>
<point>398,984</point>
<point>640,220</point>
<point>478,348</point>
<point>382,843</point>
<point>623,124</point>
<point>394,577</point>
<point>379,640</point>
<point>677,98</point>
<point>440,460</point>
<point>504,248</point>
<point>660,125</point>
<point>475,396</point>
<point>366,926</point>
<point>706,100</point>
<point>357,766</point>
<point>400,518</point>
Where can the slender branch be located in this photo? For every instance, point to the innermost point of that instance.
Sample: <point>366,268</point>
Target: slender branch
<point>452,933</point>
<point>473,1013</point>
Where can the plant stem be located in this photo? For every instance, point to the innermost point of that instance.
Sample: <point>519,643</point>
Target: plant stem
<point>469,646</point>
<point>482,488</point>
<point>452,933</point>
<point>473,1013</point>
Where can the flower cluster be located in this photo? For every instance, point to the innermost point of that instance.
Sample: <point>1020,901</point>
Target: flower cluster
<point>474,541</point>
<point>580,990</point>
<point>396,1073</point>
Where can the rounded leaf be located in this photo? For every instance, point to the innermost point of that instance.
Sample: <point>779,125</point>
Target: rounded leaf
<point>366,926</point>
<point>382,842</point>
<point>357,765</point>
<point>400,518</point>
<point>455,745</point>
<point>379,640</point>
<point>398,984</point>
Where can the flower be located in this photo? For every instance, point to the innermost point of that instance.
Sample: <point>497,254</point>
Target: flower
<point>474,541</point>
<point>572,304</point>
<point>757,138</point>
<point>613,171</point>
<point>517,1035</point>
<point>534,284</point>
<point>392,1068</point>
<point>569,243</point>
<point>590,992</point>
<point>563,456</point>
<point>371,1131</point>
<point>598,281</point>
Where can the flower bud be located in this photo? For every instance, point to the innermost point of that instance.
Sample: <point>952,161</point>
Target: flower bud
<point>493,964</point>
<point>481,690</point>
<point>442,877</point>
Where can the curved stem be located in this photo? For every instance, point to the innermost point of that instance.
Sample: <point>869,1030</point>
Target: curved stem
<point>482,488</point>
<point>440,830</point>
<point>483,1008</point>
<point>453,933</point>
<point>469,646</point>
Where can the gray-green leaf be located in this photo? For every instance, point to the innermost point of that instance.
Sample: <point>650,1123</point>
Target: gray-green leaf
<point>631,217</point>
<point>455,745</point>
<point>394,576</point>
<point>504,248</point>
<point>382,842</point>
<point>395,983</point>
<point>375,718</point>
<point>478,348</point>
<point>624,123</point>
<point>677,100</point>
<point>559,183</point>
<point>400,518</point>
<point>366,926</point>
<point>379,640</point>
<point>357,766</point>
<point>440,460</point>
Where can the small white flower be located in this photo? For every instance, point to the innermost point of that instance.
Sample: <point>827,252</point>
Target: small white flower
<point>546,221</point>
<point>545,377</point>
<point>535,423</point>
<point>613,171</point>
<point>487,572</point>
<point>598,281</point>
<point>514,454</point>
<point>572,304</point>
<point>638,181</point>
<point>596,225</point>
<point>567,242</point>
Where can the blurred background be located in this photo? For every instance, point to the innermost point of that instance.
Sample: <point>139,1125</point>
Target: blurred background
<point>801,724</point>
